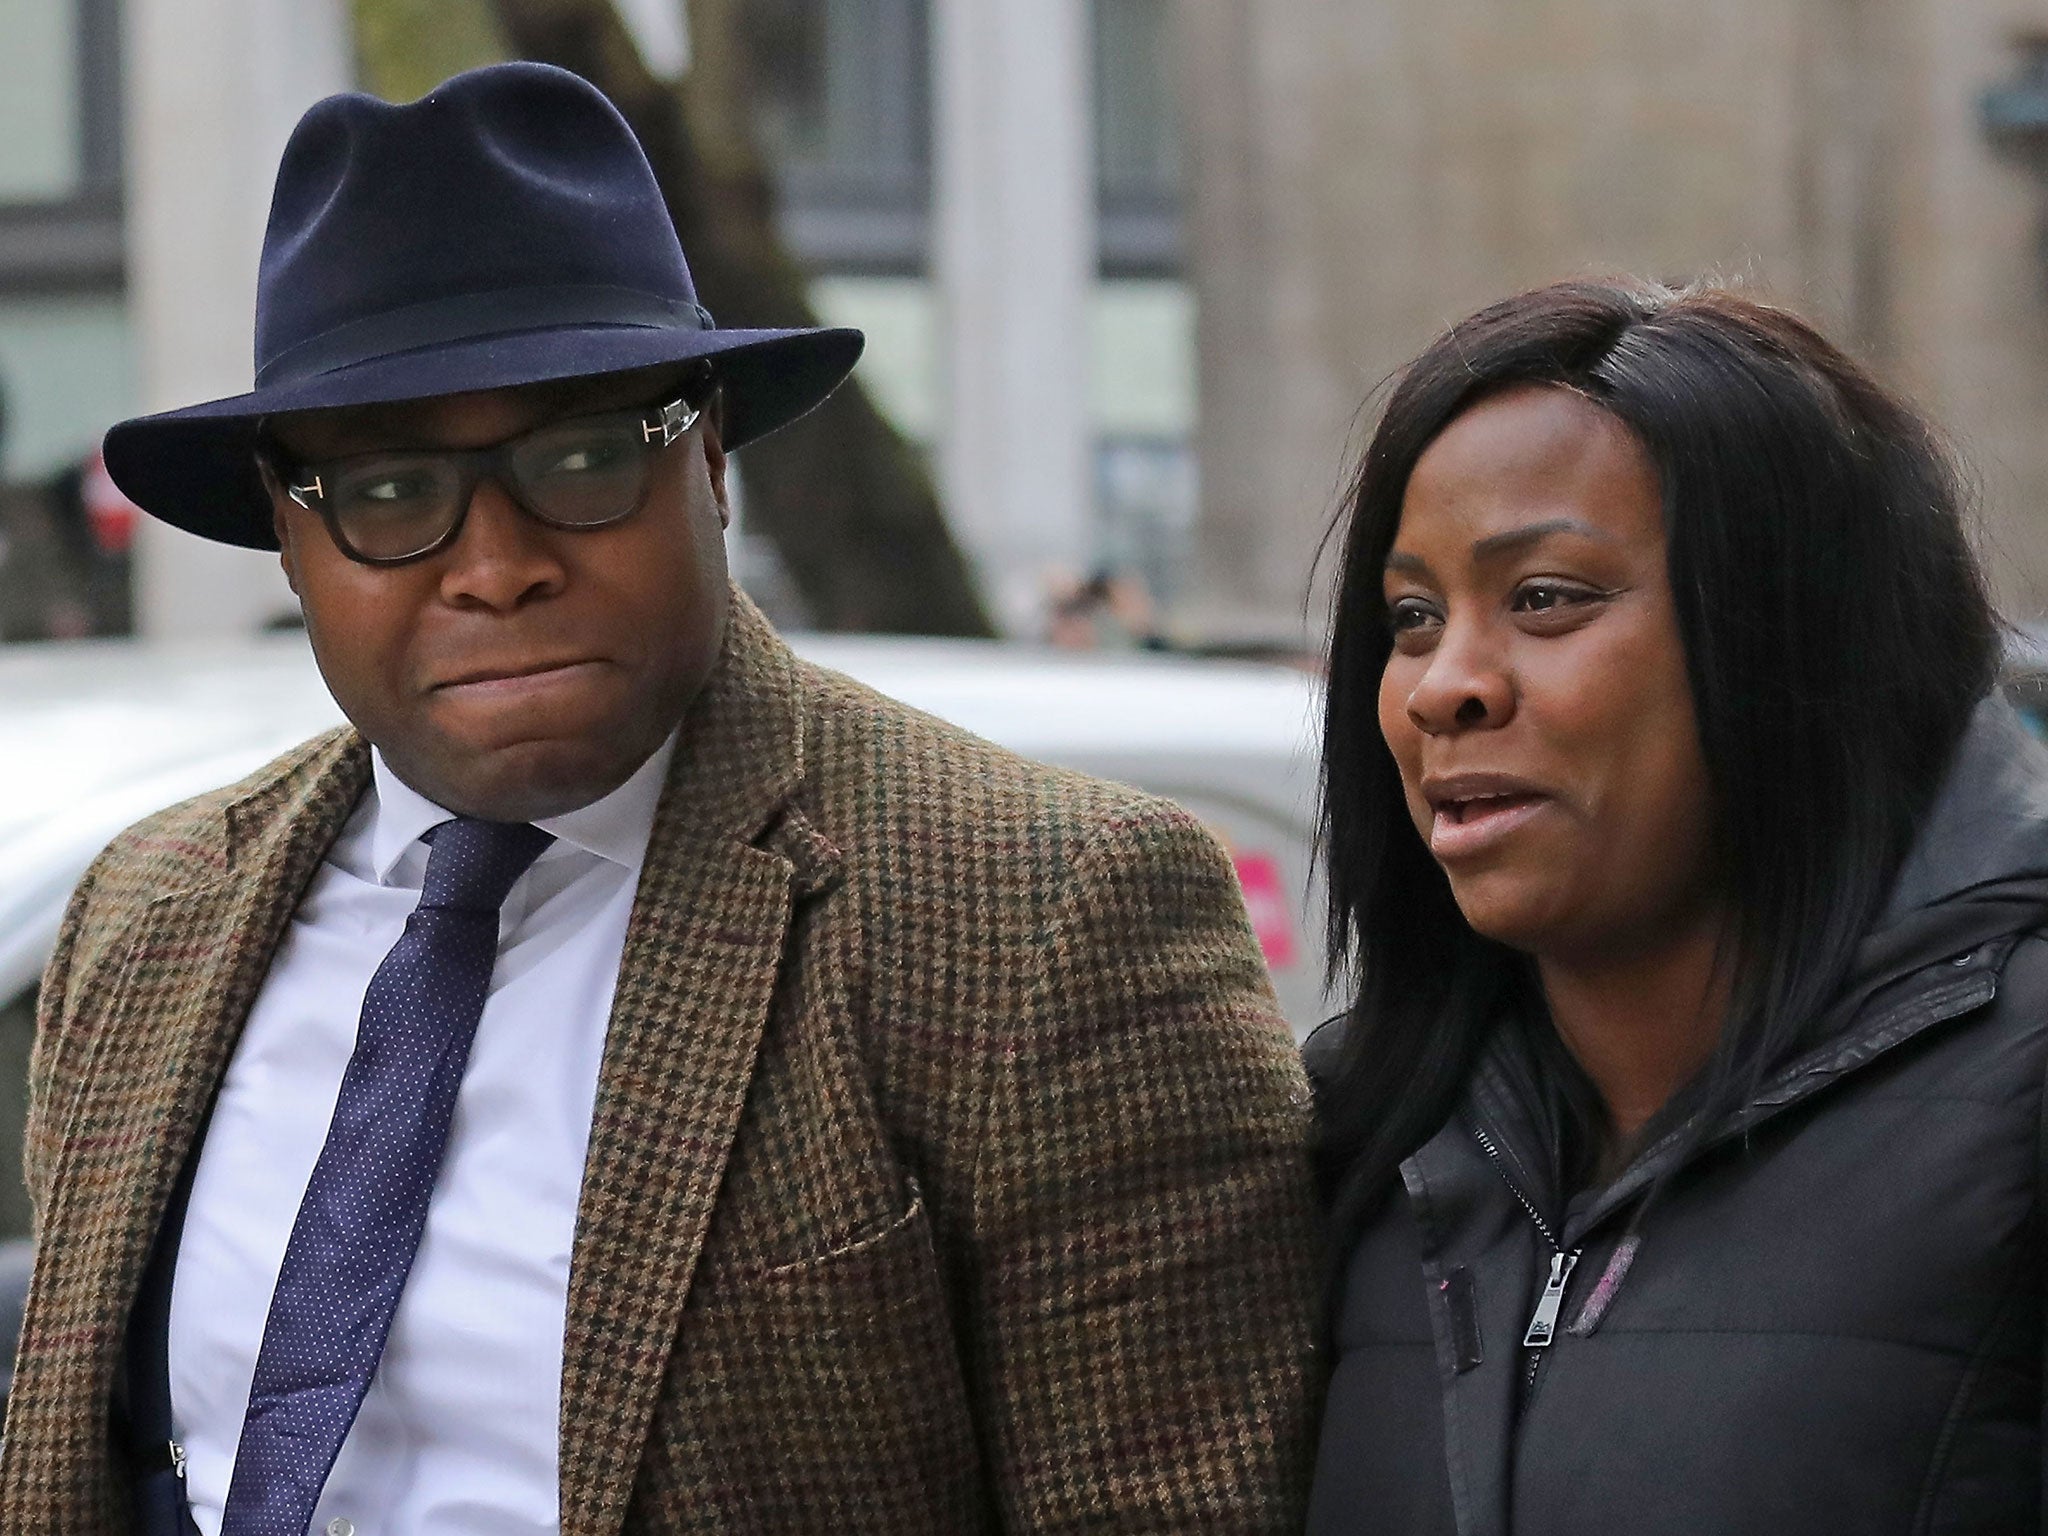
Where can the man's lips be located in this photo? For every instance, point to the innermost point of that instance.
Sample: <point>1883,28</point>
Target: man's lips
<point>515,678</point>
<point>1474,812</point>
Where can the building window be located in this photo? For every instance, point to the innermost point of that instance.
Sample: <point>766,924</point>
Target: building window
<point>843,94</point>
<point>1137,139</point>
<point>843,111</point>
<point>60,146</point>
<point>843,102</point>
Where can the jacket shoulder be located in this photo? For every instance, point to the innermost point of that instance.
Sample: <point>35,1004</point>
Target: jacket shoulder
<point>190,840</point>
<point>1011,890</point>
<point>863,748</point>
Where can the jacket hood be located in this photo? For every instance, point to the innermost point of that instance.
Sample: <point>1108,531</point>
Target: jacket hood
<point>1978,870</point>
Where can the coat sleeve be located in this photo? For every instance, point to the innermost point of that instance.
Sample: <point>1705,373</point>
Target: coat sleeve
<point>39,1142</point>
<point>1144,1227</point>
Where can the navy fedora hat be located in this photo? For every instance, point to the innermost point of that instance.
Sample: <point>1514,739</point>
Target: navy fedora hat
<point>505,229</point>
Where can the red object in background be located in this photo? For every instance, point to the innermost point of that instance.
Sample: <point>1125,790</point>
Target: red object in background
<point>1265,899</point>
<point>111,515</point>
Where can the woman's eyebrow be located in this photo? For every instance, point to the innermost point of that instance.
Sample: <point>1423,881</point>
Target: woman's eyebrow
<point>1518,539</point>
<point>1497,544</point>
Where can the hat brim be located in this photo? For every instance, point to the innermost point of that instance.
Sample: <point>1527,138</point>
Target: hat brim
<point>195,468</point>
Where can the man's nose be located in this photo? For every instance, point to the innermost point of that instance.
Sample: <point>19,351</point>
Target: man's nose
<point>1467,685</point>
<point>503,558</point>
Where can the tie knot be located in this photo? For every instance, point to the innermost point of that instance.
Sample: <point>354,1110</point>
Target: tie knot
<point>471,864</point>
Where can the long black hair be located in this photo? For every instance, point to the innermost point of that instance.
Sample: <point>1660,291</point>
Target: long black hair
<point>1837,636</point>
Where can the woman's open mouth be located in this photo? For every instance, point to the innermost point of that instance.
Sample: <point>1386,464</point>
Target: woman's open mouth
<point>1473,824</point>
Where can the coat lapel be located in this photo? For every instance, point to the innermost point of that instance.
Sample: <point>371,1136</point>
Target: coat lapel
<point>701,959</point>
<point>180,987</point>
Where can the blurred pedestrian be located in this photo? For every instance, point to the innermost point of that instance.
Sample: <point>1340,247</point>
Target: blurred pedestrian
<point>1106,610</point>
<point>96,525</point>
<point>631,1079</point>
<point>42,578</point>
<point>1684,1138</point>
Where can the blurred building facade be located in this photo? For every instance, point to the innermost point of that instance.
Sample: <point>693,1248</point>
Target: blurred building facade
<point>66,354</point>
<point>1360,175</point>
<point>1097,243</point>
<point>993,198</point>
<point>992,190</point>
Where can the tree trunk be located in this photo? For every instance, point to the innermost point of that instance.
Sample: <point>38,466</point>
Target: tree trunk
<point>847,503</point>
<point>844,500</point>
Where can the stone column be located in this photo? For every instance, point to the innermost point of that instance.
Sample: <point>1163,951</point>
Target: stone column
<point>1014,258</point>
<point>213,89</point>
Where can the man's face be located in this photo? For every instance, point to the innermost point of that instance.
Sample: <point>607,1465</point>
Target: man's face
<point>523,671</point>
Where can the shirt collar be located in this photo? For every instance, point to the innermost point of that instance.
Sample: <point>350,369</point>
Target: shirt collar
<point>615,828</point>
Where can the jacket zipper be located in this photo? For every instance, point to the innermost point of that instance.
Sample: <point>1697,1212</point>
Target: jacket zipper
<point>1542,1329</point>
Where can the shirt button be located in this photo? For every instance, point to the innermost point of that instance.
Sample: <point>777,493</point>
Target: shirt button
<point>340,1527</point>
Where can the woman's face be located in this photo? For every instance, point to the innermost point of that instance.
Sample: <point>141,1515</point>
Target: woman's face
<point>1536,699</point>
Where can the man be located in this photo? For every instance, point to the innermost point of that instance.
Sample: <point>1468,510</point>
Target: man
<point>632,1078</point>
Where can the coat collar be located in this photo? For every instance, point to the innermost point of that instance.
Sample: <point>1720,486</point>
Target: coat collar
<point>1989,823</point>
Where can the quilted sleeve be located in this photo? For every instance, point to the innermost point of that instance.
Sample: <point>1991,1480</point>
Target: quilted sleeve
<point>1144,1227</point>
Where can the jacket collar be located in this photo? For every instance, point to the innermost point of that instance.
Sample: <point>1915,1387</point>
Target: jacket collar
<point>1988,825</point>
<point>740,755</point>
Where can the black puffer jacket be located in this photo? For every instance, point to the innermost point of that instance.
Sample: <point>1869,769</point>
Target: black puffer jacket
<point>1830,1319</point>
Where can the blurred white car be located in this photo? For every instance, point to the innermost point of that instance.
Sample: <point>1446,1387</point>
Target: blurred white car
<point>95,735</point>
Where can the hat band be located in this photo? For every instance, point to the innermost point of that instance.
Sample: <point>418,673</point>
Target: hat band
<point>472,317</point>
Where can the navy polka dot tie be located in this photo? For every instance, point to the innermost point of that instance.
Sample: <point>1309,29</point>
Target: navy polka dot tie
<point>366,1203</point>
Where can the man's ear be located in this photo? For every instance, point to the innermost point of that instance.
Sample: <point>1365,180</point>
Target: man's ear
<point>712,431</point>
<point>280,523</point>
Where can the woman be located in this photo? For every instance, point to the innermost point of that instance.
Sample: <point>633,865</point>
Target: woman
<point>1684,1140</point>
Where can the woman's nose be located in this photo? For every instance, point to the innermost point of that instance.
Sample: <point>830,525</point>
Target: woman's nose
<point>1466,686</point>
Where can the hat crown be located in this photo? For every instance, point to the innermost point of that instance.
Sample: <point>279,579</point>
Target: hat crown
<point>504,183</point>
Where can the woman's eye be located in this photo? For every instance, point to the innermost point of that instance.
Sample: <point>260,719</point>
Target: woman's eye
<point>1548,596</point>
<point>1408,614</point>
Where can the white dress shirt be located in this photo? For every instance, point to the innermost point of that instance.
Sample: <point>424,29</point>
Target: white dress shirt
<point>458,1435</point>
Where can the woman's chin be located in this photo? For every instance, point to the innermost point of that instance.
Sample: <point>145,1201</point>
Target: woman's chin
<point>1507,911</point>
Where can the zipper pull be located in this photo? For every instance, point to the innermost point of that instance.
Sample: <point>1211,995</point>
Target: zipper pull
<point>1543,1325</point>
<point>177,1454</point>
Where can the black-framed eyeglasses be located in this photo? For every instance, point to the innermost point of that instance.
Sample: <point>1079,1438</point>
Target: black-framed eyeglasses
<point>398,505</point>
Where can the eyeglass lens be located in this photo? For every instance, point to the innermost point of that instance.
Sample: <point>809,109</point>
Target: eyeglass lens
<point>576,474</point>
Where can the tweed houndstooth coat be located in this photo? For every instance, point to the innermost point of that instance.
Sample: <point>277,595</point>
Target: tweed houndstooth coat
<point>948,1166</point>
